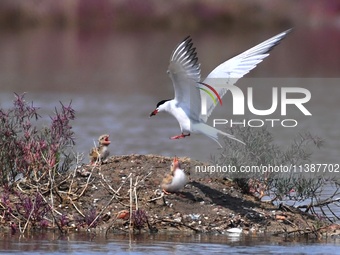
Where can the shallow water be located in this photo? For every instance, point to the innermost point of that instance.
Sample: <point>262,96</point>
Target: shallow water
<point>163,244</point>
<point>115,80</point>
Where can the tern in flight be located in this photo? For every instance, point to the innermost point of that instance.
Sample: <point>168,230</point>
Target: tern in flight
<point>185,73</point>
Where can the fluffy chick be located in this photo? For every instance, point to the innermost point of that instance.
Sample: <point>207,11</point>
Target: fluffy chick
<point>100,153</point>
<point>176,180</point>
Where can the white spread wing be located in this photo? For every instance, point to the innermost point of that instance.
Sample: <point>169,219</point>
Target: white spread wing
<point>185,72</point>
<point>235,68</point>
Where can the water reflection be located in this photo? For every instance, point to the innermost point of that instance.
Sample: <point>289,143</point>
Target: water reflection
<point>161,244</point>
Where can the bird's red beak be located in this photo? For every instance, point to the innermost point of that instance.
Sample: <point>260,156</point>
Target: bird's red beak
<point>153,113</point>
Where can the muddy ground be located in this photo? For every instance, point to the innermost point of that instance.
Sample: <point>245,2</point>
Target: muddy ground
<point>98,198</point>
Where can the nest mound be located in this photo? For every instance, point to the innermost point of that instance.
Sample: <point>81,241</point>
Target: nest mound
<point>124,194</point>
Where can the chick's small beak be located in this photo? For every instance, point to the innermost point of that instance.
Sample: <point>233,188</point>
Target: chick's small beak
<point>153,113</point>
<point>107,140</point>
<point>175,163</point>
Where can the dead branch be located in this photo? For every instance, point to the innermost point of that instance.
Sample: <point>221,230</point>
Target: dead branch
<point>336,216</point>
<point>53,210</point>
<point>320,204</point>
<point>74,172</point>
<point>86,185</point>
<point>29,217</point>
<point>135,192</point>
<point>156,198</point>
<point>130,226</point>
<point>109,186</point>
<point>315,231</point>
<point>181,224</point>
<point>101,212</point>
<point>75,207</point>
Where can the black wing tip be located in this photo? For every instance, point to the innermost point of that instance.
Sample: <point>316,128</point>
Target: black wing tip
<point>283,36</point>
<point>187,38</point>
<point>288,31</point>
<point>187,47</point>
<point>191,51</point>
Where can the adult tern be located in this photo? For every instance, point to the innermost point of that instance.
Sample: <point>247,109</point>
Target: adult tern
<point>185,73</point>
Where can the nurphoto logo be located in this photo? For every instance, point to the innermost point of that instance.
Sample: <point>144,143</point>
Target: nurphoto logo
<point>281,97</point>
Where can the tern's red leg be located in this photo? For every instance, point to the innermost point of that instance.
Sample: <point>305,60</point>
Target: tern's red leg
<point>176,193</point>
<point>165,192</point>
<point>179,136</point>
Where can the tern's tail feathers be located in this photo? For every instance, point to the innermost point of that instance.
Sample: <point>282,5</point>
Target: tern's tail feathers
<point>213,133</point>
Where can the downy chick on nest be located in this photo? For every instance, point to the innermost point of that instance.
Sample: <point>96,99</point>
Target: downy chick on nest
<point>176,180</point>
<point>101,153</point>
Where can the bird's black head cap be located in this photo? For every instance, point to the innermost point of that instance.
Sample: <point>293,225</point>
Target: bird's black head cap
<point>162,102</point>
